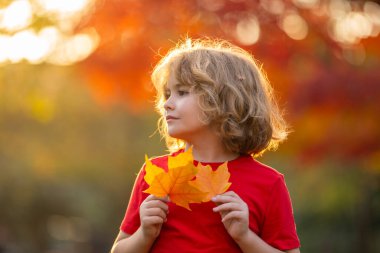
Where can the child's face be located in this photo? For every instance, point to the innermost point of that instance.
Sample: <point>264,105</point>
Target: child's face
<point>182,112</point>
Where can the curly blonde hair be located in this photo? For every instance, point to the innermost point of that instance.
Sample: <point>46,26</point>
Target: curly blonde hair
<point>233,93</point>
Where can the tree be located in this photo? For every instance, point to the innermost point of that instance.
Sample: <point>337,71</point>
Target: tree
<point>321,56</point>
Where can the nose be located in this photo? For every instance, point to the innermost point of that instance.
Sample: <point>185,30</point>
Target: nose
<point>169,104</point>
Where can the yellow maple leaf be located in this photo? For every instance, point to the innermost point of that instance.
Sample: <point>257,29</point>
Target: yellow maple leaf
<point>212,182</point>
<point>175,182</point>
<point>182,159</point>
<point>151,170</point>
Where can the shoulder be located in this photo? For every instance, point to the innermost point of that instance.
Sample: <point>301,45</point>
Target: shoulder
<point>268,171</point>
<point>250,164</point>
<point>249,169</point>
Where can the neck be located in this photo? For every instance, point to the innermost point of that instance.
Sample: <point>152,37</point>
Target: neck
<point>210,150</point>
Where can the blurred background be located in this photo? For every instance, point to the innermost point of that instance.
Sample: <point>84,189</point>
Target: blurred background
<point>76,112</point>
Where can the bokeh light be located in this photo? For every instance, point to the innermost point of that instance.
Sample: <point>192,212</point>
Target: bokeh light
<point>294,26</point>
<point>276,7</point>
<point>57,44</point>
<point>248,30</point>
<point>17,15</point>
<point>77,117</point>
<point>348,26</point>
<point>308,4</point>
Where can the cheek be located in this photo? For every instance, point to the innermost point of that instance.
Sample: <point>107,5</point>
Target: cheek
<point>196,120</point>
<point>199,115</point>
<point>194,113</point>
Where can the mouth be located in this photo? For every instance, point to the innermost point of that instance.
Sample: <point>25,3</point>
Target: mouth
<point>170,118</point>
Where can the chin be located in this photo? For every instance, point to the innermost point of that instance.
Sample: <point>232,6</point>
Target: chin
<point>176,135</point>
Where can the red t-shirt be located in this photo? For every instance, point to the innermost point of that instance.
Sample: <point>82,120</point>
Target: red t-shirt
<point>201,230</point>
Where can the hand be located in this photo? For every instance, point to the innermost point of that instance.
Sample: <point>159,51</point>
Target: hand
<point>153,212</point>
<point>234,212</point>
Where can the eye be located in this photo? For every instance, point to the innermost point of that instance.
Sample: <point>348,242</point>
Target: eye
<point>182,92</point>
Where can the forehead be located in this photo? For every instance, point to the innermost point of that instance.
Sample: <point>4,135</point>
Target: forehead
<point>173,82</point>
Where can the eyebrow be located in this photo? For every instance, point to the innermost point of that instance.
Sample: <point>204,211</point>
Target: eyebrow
<point>180,85</point>
<point>176,86</point>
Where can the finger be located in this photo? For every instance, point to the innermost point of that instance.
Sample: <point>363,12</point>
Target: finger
<point>224,199</point>
<point>230,193</point>
<point>228,207</point>
<point>155,212</point>
<point>152,220</point>
<point>156,203</point>
<point>152,197</point>
<point>233,215</point>
<point>164,199</point>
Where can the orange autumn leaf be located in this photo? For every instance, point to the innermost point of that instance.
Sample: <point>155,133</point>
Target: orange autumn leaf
<point>151,171</point>
<point>212,182</point>
<point>175,182</point>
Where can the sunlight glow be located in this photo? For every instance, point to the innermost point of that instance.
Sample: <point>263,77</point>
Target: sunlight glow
<point>276,7</point>
<point>74,49</point>
<point>66,6</point>
<point>339,8</point>
<point>349,26</point>
<point>352,28</point>
<point>17,15</point>
<point>295,26</point>
<point>53,44</point>
<point>29,46</point>
<point>372,12</point>
<point>67,13</point>
<point>51,34</point>
<point>24,45</point>
<point>4,40</point>
<point>48,45</point>
<point>307,4</point>
<point>248,30</point>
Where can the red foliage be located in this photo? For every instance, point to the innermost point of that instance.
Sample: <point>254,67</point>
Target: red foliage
<point>311,76</point>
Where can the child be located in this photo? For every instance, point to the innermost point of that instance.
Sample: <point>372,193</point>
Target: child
<point>212,96</point>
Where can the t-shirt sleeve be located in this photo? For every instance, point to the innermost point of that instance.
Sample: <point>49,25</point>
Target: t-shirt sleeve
<point>279,229</point>
<point>131,221</point>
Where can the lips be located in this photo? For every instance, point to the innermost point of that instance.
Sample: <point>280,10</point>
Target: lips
<point>170,118</point>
